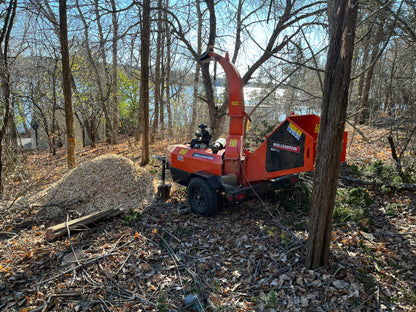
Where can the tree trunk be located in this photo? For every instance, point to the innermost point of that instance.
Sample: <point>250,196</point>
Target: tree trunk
<point>361,80</point>
<point>342,21</point>
<point>209,90</point>
<point>159,35</point>
<point>239,24</point>
<point>374,47</point>
<point>192,125</point>
<point>54,108</point>
<point>66,85</point>
<point>166,42</point>
<point>168,71</point>
<point>114,80</point>
<point>8,20</point>
<point>104,96</point>
<point>389,89</point>
<point>12,137</point>
<point>144,77</point>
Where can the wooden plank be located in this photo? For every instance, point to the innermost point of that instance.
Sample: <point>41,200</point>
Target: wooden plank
<point>80,223</point>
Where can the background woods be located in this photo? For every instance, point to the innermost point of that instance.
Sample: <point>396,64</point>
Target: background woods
<point>99,86</point>
<point>272,43</point>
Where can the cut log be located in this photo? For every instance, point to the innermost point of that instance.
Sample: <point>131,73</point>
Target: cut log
<point>80,224</point>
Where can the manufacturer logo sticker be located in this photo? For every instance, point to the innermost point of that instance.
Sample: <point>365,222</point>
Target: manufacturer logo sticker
<point>198,155</point>
<point>286,147</point>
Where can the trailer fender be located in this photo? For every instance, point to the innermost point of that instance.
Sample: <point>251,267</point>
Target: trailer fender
<point>213,180</point>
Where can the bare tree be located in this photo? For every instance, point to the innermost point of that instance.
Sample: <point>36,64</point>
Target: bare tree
<point>114,80</point>
<point>342,23</point>
<point>197,71</point>
<point>8,20</point>
<point>66,85</point>
<point>157,80</point>
<point>291,13</point>
<point>144,86</point>
<point>167,75</point>
<point>104,96</point>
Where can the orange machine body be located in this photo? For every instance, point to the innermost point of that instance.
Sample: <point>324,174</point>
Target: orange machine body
<point>287,151</point>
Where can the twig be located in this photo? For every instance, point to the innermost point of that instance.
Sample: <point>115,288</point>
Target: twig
<point>124,263</point>
<point>399,186</point>
<point>171,235</point>
<point>74,268</point>
<point>175,259</point>
<point>364,303</point>
<point>104,303</point>
<point>257,269</point>
<point>131,295</point>
<point>396,234</point>
<point>89,279</point>
<point>302,286</point>
<point>69,238</point>
<point>332,278</point>
<point>359,131</point>
<point>190,261</point>
<point>395,157</point>
<point>80,265</point>
<point>378,295</point>
<point>293,235</point>
<point>45,306</point>
<point>295,298</point>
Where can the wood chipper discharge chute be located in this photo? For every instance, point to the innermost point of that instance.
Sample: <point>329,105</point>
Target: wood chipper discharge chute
<point>226,166</point>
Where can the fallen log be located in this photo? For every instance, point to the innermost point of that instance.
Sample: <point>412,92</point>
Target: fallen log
<point>80,224</point>
<point>397,186</point>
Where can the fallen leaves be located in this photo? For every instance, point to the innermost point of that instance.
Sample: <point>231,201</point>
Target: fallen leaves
<point>239,260</point>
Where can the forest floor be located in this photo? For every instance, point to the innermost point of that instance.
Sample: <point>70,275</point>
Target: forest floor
<point>248,257</point>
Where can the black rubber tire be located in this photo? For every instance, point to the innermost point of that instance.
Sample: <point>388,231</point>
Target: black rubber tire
<point>201,197</point>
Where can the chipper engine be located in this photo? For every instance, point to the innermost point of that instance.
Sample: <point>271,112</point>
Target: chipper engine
<point>225,166</point>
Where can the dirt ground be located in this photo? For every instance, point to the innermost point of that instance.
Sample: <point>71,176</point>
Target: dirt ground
<point>159,256</point>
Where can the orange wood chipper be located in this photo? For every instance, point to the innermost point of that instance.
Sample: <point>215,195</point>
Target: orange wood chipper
<point>225,166</point>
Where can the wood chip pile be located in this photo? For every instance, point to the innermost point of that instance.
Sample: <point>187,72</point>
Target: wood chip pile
<point>104,182</point>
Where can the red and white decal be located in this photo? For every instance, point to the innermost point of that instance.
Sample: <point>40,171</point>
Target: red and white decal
<point>285,147</point>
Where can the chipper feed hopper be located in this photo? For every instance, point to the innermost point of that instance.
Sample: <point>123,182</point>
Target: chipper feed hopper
<point>226,166</point>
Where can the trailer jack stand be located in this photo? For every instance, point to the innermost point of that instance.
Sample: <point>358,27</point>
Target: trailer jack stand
<point>163,189</point>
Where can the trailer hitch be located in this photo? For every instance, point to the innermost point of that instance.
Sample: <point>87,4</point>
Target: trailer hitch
<point>163,189</point>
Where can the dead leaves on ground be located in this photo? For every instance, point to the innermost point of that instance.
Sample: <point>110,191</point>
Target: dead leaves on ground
<point>239,260</point>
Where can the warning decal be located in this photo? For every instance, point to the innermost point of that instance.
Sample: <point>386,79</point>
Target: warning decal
<point>293,130</point>
<point>233,143</point>
<point>183,151</point>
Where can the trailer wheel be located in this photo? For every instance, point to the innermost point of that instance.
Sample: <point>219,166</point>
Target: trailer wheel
<point>202,198</point>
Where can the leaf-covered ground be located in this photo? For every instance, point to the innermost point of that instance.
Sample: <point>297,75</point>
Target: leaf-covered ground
<point>248,257</point>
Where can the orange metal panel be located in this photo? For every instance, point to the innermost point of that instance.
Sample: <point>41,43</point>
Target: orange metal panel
<point>344,146</point>
<point>234,148</point>
<point>291,147</point>
<point>193,160</point>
